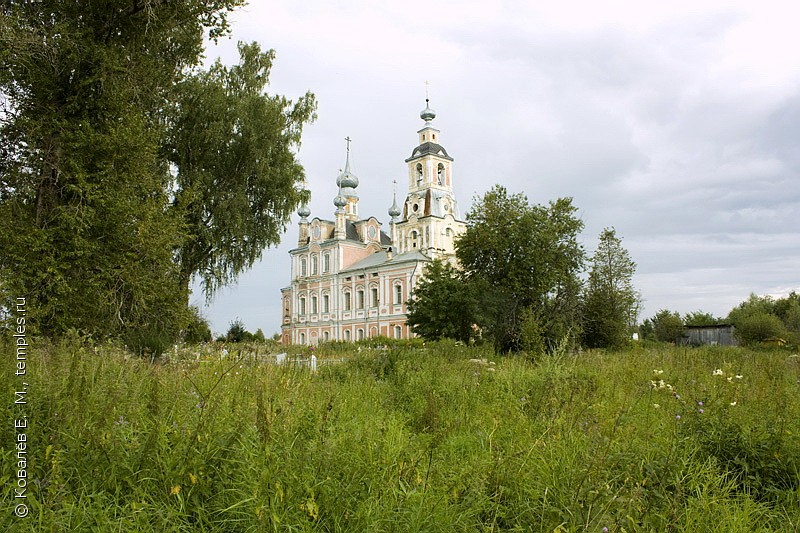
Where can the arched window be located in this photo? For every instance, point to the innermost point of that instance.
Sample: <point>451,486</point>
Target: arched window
<point>302,338</point>
<point>398,332</point>
<point>373,296</point>
<point>414,236</point>
<point>440,174</point>
<point>314,265</point>
<point>303,267</point>
<point>347,335</point>
<point>398,294</point>
<point>326,263</point>
<point>359,298</point>
<point>419,174</point>
<point>326,336</point>
<point>326,303</point>
<point>314,304</point>
<point>347,300</point>
<point>302,305</point>
<point>360,334</point>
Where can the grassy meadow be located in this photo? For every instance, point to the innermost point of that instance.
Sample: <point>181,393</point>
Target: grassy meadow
<point>409,438</point>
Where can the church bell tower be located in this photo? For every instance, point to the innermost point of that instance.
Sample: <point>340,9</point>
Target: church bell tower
<point>430,216</point>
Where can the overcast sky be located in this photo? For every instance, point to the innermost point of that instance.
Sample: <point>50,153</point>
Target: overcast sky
<point>675,122</point>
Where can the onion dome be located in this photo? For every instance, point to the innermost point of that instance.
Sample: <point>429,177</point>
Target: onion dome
<point>394,211</point>
<point>347,180</point>
<point>427,114</point>
<point>339,201</point>
<point>304,212</point>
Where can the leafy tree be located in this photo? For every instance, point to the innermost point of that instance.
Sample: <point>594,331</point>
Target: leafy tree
<point>198,329</point>
<point>611,302</point>
<point>526,259</point>
<point>757,327</point>
<point>646,330</point>
<point>237,332</point>
<point>238,180</point>
<point>700,318</point>
<point>754,304</point>
<point>95,229</point>
<point>443,305</point>
<point>761,317</point>
<point>788,310</point>
<point>667,325</point>
<point>84,228</point>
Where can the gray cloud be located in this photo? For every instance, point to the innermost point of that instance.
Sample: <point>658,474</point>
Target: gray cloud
<point>676,125</point>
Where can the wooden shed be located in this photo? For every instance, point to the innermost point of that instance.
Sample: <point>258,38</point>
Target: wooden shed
<point>716,335</point>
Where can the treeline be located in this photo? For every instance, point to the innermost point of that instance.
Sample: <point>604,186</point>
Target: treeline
<point>522,281</point>
<point>127,169</point>
<point>757,320</point>
<point>518,285</point>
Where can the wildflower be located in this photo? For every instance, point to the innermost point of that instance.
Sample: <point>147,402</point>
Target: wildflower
<point>733,403</point>
<point>677,417</point>
<point>701,411</point>
<point>656,405</point>
<point>730,379</point>
<point>739,376</point>
<point>193,478</point>
<point>605,530</point>
<point>717,372</point>
<point>700,404</point>
<point>175,490</point>
<point>658,372</point>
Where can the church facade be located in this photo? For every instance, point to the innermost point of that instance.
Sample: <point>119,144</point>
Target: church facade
<point>350,280</point>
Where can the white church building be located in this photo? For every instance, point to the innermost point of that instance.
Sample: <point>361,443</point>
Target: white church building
<point>350,280</point>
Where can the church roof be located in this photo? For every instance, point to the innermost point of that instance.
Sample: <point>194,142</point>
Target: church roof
<point>351,233</point>
<point>429,148</point>
<point>380,259</point>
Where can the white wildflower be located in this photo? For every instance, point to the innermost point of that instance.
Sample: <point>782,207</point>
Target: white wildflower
<point>717,372</point>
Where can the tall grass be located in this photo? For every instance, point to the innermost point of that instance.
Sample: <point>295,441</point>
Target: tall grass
<point>409,438</point>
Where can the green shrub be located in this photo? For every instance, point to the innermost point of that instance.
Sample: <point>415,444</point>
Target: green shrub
<point>198,329</point>
<point>757,327</point>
